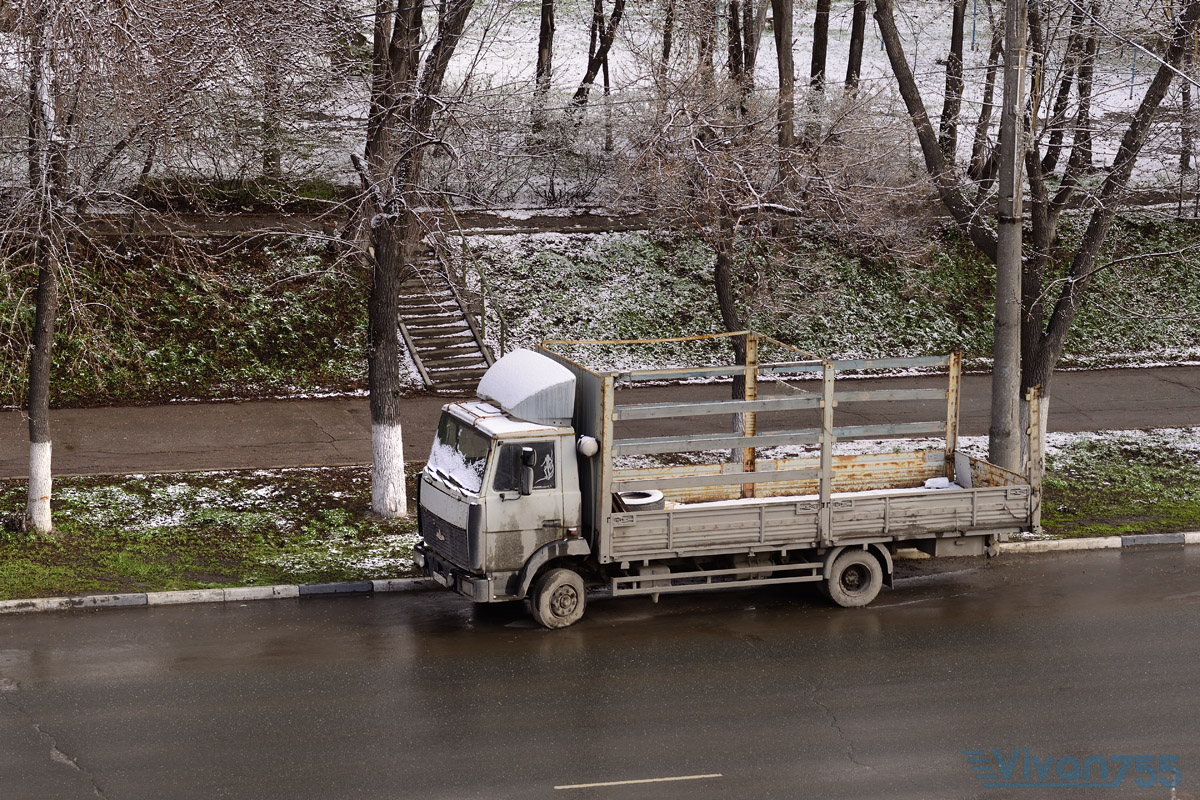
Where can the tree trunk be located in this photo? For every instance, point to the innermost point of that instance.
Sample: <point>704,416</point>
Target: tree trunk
<point>46,150</point>
<point>816,82</point>
<point>735,60</point>
<point>745,23</point>
<point>820,46</point>
<point>858,32</point>
<point>944,179</point>
<point>599,56</point>
<point>545,50</point>
<point>273,120</point>
<point>1058,114</point>
<point>726,300</point>
<point>388,496</point>
<point>707,43</point>
<point>1038,469</point>
<point>403,91</point>
<point>608,122</point>
<point>948,127</point>
<point>781,10</point>
<point>1082,146</point>
<point>40,481</point>
<point>545,58</point>
<point>754,19</point>
<point>664,63</point>
<point>1186,133</point>
<point>977,169</point>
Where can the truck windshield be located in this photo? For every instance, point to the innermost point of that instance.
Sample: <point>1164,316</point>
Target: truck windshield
<point>459,453</point>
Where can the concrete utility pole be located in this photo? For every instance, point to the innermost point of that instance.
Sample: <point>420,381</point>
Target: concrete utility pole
<point>1004,440</point>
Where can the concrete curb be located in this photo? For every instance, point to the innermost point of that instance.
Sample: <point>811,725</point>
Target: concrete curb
<point>236,594</point>
<point>1099,542</point>
<point>1051,545</point>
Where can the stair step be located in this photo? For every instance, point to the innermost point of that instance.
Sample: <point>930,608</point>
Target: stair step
<point>456,387</point>
<point>425,321</point>
<point>429,342</point>
<point>430,353</point>
<point>427,331</point>
<point>424,284</point>
<point>428,307</point>
<point>475,361</point>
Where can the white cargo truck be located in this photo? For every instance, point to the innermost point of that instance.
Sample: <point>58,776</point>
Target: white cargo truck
<point>544,487</point>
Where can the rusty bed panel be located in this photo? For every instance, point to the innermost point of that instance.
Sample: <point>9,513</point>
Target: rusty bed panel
<point>689,530</point>
<point>852,473</point>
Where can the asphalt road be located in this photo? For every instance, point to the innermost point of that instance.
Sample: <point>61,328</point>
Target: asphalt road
<point>257,435</point>
<point>398,696</point>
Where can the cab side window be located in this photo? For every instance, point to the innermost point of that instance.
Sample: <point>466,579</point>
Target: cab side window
<point>508,467</point>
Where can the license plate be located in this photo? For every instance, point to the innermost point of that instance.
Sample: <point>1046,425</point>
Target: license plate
<point>442,579</point>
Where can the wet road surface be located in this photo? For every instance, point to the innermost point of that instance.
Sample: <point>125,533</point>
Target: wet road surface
<point>398,696</point>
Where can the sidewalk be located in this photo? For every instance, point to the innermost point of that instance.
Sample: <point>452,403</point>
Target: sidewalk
<point>295,433</point>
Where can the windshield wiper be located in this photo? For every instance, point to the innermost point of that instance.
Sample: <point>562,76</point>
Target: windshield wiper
<point>448,478</point>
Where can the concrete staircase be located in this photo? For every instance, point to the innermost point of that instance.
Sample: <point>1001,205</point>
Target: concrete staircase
<point>440,330</point>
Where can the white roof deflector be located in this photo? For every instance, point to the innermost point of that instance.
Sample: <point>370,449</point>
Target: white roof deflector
<point>531,387</point>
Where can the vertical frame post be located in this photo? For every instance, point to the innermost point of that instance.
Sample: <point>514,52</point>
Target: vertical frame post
<point>604,501</point>
<point>953,397</point>
<point>1037,459</point>
<point>825,516</point>
<point>750,418</point>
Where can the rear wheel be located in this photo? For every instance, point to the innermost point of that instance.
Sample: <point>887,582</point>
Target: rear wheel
<point>559,598</point>
<point>854,579</point>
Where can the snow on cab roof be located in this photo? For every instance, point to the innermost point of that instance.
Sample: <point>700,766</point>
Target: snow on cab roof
<point>531,387</point>
<point>490,420</point>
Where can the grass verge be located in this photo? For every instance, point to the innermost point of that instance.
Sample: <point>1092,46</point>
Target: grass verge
<point>203,530</point>
<point>243,528</point>
<point>1122,482</point>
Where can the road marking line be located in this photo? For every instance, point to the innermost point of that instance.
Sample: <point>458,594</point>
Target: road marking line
<point>642,780</point>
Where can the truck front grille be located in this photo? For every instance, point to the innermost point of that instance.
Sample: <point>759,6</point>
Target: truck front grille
<point>448,540</point>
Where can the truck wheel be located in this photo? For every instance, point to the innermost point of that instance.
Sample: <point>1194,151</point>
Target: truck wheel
<point>558,598</point>
<point>854,579</point>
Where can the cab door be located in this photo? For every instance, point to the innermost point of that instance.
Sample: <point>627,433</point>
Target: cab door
<point>518,524</point>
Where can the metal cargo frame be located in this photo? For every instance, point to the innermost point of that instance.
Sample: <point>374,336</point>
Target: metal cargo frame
<point>999,501</point>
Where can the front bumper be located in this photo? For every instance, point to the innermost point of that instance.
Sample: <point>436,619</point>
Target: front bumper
<point>477,588</point>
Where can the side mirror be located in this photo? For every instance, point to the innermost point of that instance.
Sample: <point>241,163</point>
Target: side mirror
<point>528,459</point>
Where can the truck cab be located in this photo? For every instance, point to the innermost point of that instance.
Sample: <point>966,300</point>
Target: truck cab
<point>502,483</point>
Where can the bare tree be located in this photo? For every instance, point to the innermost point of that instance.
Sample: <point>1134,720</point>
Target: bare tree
<point>545,60</point>
<point>98,101</point>
<point>820,47</point>
<point>948,127</point>
<point>407,74</point>
<point>781,12</point>
<point>746,20</point>
<point>1056,273</point>
<point>816,80</point>
<point>978,166</point>
<point>97,86</point>
<point>604,33</point>
<point>858,32</point>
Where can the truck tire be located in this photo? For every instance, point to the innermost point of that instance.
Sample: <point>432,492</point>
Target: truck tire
<point>854,579</point>
<point>648,500</point>
<point>559,598</point>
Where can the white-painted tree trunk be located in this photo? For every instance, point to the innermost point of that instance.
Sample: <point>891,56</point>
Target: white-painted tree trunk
<point>1044,409</point>
<point>388,497</point>
<point>39,486</point>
